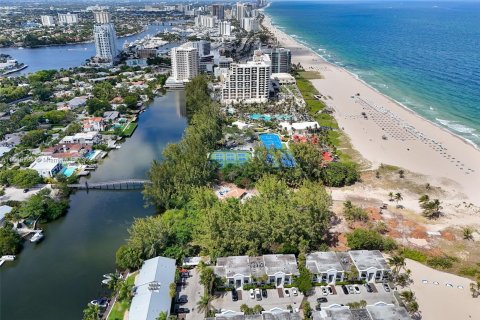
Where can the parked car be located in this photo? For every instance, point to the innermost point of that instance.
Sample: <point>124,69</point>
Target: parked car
<point>356,288</point>
<point>252,294</point>
<point>287,292</point>
<point>234,295</point>
<point>324,291</point>
<point>295,291</point>
<point>182,299</point>
<point>183,310</point>
<point>258,294</point>
<point>185,274</point>
<point>368,287</point>
<point>318,307</point>
<point>351,290</point>
<point>26,190</point>
<point>344,288</point>
<point>322,300</point>
<point>330,290</point>
<point>386,287</point>
<point>264,293</point>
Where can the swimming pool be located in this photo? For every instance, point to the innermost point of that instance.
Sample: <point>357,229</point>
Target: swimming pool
<point>69,171</point>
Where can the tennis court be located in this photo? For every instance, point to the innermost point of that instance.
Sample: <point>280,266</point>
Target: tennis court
<point>270,140</point>
<point>224,157</point>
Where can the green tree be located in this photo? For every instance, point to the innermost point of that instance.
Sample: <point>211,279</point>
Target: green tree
<point>354,213</point>
<point>33,138</point>
<point>128,258</point>
<point>204,303</point>
<point>131,101</point>
<point>10,241</point>
<point>92,312</point>
<point>103,91</point>
<point>363,239</point>
<point>97,107</point>
<point>162,316</point>
<point>339,174</point>
<point>304,281</point>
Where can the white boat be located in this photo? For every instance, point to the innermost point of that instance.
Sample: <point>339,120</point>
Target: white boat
<point>37,237</point>
<point>8,258</point>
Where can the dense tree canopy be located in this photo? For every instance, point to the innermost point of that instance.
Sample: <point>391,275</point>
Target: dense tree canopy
<point>278,219</point>
<point>10,241</point>
<point>363,239</point>
<point>24,178</point>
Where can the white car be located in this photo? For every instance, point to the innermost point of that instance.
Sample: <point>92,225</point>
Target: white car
<point>351,290</point>
<point>295,291</point>
<point>356,288</point>
<point>324,291</point>
<point>252,294</point>
<point>258,294</point>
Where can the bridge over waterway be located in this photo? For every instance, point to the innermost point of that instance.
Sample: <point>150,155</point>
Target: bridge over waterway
<point>127,184</point>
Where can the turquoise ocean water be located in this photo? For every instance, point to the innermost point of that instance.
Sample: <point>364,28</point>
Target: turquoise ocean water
<point>425,55</point>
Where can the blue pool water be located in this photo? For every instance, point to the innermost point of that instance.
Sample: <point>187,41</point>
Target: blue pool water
<point>423,54</point>
<point>68,171</point>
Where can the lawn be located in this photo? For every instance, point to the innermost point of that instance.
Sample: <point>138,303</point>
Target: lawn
<point>128,131</point>
<point>310,75</point>
<point>119,308</point>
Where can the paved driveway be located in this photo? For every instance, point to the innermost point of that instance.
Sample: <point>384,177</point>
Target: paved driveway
<point>194,291</point>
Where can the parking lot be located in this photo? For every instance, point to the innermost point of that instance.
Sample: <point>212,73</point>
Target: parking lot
<point>224,300</point>
<point>193,290</point>
<point>341,298</point>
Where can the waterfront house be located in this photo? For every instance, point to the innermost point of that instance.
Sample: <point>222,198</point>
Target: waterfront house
<point>47,166</point>
<point>89,138</point>
<point>93,124</point>
<point>110,116</point>
<point>371,265</point>
<point>152,289</point>
<point>277,269</point>
<point>325,267</point>
<point>68,151</point>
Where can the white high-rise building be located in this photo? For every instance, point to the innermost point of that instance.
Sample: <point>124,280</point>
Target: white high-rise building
<point>102,17</point>
<point>105,42</point>
<point>205,21</point>
<point>225,28</point>
<point>47,21</point>
<point>67,18</point>
<point>240,11</point>
<point>185,62</point>
<point>247,82</point>
<point>250,24</point>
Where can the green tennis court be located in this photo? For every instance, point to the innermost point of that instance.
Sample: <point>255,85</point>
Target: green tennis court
<point>224,157</point>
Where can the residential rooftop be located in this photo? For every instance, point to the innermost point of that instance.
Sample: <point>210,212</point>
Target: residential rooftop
<point>365,259</point>
<point>318,262</point>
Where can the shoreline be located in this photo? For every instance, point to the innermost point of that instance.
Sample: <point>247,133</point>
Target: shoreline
<point>398,118</point>
<point>356,76</point>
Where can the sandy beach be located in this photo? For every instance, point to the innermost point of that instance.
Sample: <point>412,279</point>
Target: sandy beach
<point>390,133</point>
<point>442,296</point>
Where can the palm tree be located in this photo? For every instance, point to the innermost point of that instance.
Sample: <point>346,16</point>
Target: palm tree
<point>204,303</point>
<point>468,233</point>
<point>398,262</point>
<point>407,296</point>
<point>424,199</point>
<point>398,197</point>
<point>92,312</point>
<point>390,195</point>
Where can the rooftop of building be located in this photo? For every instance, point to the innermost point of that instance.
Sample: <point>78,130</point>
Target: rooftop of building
<point>365,259</point>
<point>318,262</point>
<point>383,311</point>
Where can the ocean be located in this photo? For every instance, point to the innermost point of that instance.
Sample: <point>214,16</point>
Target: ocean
<point>425,55</point>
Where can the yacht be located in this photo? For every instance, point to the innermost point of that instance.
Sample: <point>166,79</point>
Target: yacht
<point>37,237</point>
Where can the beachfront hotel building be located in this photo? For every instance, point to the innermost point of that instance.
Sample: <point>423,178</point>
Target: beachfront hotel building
<point>247,82</point>
<point>281,59</point>
<point>105,42</point>
<point>185,65</point>
<point>67,18</point>
<point>47,21</point>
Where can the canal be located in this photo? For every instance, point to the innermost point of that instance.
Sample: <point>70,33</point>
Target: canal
<point>57,277</point>
<point>67,56</point>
